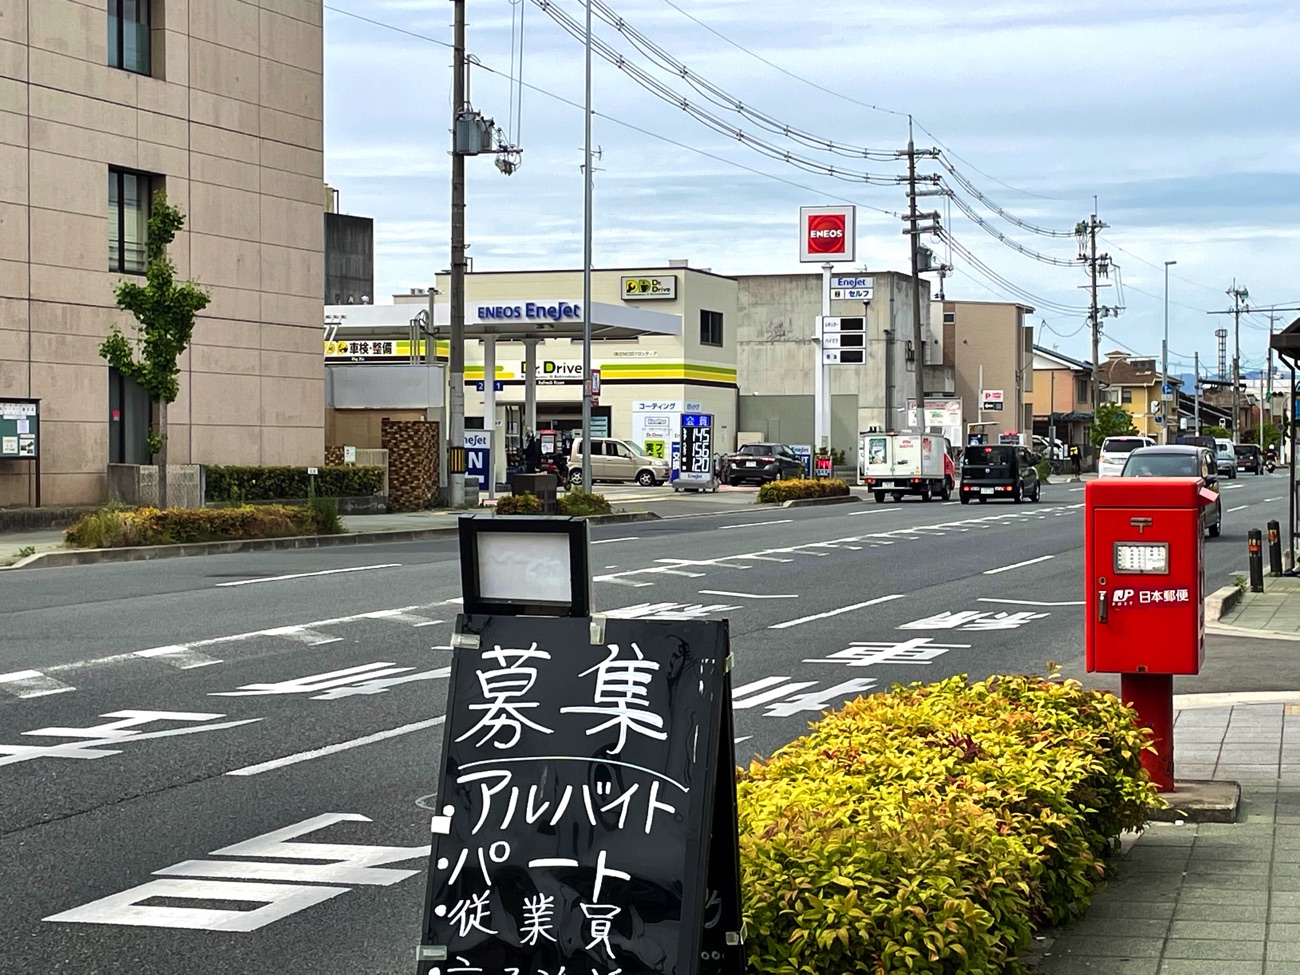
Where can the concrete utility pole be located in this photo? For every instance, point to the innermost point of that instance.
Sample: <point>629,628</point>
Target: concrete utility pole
<point>587,180</point>
<point>914,231</point>
<point>1165,388</point>
<point>1196,393</point>
<point>1238,295</point>
<point>456,356</point>
<point>1086,231</point>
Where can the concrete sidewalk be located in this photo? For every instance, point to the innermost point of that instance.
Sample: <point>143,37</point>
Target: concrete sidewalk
<point>1212,899</point>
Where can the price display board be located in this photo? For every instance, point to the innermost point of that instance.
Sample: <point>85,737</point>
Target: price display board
<point>697,446</point>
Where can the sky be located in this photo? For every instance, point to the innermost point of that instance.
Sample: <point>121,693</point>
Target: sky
<point>1180,118</point>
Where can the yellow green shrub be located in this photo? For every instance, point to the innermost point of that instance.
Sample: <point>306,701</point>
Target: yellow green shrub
<point>776,492</point>
<point>119,527</point>
<point>930,829</point>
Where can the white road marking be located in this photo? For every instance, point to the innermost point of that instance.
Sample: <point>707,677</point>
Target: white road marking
<point>342,746</point>
<point>757,685</point>
<point>764,697</point>
<point>181,657</point>
<point>308,575</point>
<point>31,683</point>
<point>1076,490</point>
<point>1240,507</point>
<point>1271,500</point>
<point>756,524</point>
<point>1018,565</point>
<point>1231,487</point>
<point>743,738</point>
<point>834,612</point>
<point>611,541</point>
<point>748,595</point>
<point>1030,602</point>
<point>878,510</point>
<point>668,611</point>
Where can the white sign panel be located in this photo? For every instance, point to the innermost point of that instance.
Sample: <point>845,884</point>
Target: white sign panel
<point>991,399</point>
<point>850,294</point>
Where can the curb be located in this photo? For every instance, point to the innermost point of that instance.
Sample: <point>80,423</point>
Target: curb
<point>145,553</point>
<point>814,502</point>
<point>1222,601</point>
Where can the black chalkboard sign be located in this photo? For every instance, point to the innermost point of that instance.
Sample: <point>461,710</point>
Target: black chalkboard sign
<point>580,786</point>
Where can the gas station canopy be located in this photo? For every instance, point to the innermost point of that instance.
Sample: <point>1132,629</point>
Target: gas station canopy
<point>503,320</point>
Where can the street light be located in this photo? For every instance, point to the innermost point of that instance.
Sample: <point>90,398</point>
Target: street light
<point>1164,366</point>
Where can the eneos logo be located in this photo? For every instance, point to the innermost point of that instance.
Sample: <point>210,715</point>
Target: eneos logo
<point>826,233</point>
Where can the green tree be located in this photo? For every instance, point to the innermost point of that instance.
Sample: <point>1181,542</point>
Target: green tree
<point>164,309</point>
<point>1112,421</point>
<point>1216,431</point>
<point>1272,435</point>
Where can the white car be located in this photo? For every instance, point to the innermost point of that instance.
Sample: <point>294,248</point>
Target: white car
<point>1225,457</point>
<point>1114,453</point>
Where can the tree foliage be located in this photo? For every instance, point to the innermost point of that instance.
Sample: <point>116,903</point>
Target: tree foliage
<point>1112,420</point>
<point>1219,432</point>
<point>165,310</point>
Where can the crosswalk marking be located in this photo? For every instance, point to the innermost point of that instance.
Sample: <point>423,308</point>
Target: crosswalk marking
<point>31,683</point>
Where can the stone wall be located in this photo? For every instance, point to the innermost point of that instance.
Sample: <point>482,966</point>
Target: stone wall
<point>412,447</point>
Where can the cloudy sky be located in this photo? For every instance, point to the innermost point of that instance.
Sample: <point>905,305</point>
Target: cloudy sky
<point>1180,116</point>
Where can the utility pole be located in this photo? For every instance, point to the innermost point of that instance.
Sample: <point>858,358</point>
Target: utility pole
<point>1098,264</point>
<point>1196,393</point>
<point>456,356</point>
<point>587,180</point>
<point>914,231</point>
<point>1165,388</point>
<point>1238,295</point>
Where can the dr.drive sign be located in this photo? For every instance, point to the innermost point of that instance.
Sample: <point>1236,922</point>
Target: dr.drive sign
<point>827,235</point>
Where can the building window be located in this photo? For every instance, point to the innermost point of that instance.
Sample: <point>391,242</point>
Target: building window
<point>1126,396</point>
<point>711,328</point>
<point>1082,390</point>
<point>128,36</point>
<point>128,220</point>
<point>950,318</point>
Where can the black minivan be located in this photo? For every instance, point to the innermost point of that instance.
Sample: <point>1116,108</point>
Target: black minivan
<point>999,471</point>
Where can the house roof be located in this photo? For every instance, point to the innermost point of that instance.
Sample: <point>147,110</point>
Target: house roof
<point>1065,360</point>
<point>1131,372</point>
<point>1287,341</point>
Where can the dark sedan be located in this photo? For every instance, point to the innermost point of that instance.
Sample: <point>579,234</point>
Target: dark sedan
<point>762,462</point>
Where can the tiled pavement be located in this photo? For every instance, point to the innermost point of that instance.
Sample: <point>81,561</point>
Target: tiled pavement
<point>1277,608</point>
<point>1205,899</point>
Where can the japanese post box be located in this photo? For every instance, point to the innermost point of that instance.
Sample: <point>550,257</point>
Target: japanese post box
<point>1144,547</point>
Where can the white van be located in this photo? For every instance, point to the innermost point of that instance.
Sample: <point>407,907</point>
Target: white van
<point>1114,453</point>
<point>1225,457</point>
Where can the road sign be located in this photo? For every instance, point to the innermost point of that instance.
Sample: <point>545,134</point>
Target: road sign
<point>478,456</point>
<point>1167,388</point>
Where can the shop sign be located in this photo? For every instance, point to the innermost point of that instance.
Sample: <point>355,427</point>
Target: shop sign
<point>656,406</point>
<point>634,353</point>
<point>661,288</point>
<point>529,311</point>
<point>991,399</point>
<point>827,234</point>
<point>371,349</point>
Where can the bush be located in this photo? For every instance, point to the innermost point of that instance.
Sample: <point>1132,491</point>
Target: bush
<point>579,502</point>
<point>290,483</point>
<point>519,504</point>
<point>930,829</point>
<point>1044,469</point>
<point>120,528</point>
<point>775,492</point>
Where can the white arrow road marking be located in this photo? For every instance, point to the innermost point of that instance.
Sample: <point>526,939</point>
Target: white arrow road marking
<point>763,697</point>
<point>31,683</point>
<point>342,746</point>
<point>308,575</point>
<point>834,612</point>
<point>819,701</point>
<point>1018,565</point>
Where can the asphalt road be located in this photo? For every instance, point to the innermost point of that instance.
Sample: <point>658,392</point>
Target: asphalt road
<point>166,712</point>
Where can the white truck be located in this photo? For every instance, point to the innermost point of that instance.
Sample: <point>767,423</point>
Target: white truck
<point>905,463</point>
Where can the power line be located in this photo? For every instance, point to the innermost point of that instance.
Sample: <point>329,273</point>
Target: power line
<point>620,122</point>
<point>1023,224</point>
<point>992,231</point>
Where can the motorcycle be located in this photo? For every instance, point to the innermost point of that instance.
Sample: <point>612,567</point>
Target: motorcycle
<point>1270,462</point>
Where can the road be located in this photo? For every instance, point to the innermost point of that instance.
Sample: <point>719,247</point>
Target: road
<point>178,739</point>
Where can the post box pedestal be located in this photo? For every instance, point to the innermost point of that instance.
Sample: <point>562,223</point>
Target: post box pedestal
<point>1152,696</point>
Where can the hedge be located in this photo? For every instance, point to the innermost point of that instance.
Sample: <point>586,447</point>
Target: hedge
<point>120,528</point>
<point>776,492</point>
<point>575,503</point>
<point>519,504</point>
<point>932,828</point>
<point>291,483</point>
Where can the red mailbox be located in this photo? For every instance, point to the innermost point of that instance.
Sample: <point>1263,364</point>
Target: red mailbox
<point>1144,547</point>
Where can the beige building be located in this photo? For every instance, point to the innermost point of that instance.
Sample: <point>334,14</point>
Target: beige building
<point>990,339</point>
<point>220,105</point>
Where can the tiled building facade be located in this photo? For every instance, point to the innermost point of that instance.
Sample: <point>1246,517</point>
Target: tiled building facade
<point>220,104</point>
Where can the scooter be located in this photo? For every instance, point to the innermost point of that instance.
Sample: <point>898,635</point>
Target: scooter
<point>1270,463</point>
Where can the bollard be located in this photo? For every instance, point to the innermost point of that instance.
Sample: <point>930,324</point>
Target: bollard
<point>1274,549</point>
<point>1256,558</point>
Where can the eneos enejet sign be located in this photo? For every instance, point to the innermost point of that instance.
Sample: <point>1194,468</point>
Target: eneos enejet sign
<point>827,235</point>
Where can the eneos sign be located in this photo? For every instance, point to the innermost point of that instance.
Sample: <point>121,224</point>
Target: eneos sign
<point>827,234</point>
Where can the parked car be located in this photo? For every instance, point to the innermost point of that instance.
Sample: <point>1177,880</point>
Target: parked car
<point>1051,449</point>
<point>617,460</point>
<point>1181,460</point>
<point>1115,451</point>
<point>999,471</point>
<point>1250,459</point>
<point>1225,456</point>
<point>762,462</point>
